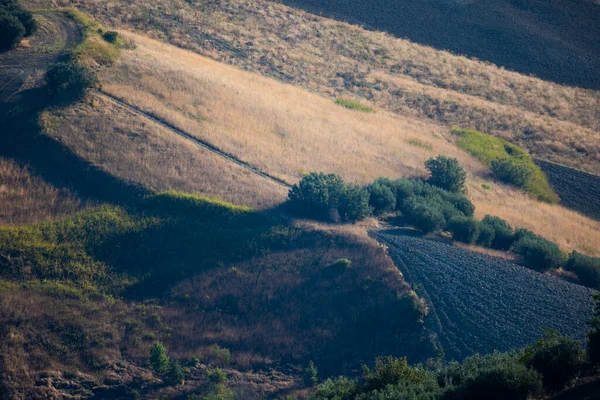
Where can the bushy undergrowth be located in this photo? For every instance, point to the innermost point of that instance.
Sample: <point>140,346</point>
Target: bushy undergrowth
<point>111,248</point>
<point>15,23</point>
<point>70,81</point>
<point>509,162</point>
<point>587,268</point>
<point>544,367</point>
<point>539,253</point>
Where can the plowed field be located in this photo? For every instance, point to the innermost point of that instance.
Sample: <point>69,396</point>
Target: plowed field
<point>479,303</point>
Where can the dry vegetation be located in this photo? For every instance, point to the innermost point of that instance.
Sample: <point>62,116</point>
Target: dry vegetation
<point>552,121</point>
<point>136,149</point>
<point>287,132</point>
<point>26,198</point>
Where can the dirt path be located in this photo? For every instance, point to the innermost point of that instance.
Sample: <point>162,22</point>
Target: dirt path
<point>479,303</point>
<point>23,67</point>
<point>201,143</point>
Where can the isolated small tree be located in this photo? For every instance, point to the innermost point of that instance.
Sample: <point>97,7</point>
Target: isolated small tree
<point>110,36</point>
<point>216,375</point>
<point>174,374</point>
<point>509,171</point>
<point>11,31</point>
<point>317,194</point>
<point>159,361</point>
<point>70,81</point>
<point>446,173</point>
<point>310,375</point>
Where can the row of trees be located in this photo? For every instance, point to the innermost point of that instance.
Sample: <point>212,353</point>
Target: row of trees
<point>15,23</point>
<point>433,205</point>
<point>543,368</point>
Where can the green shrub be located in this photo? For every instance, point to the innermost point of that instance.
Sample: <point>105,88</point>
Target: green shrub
<point>353,105</point>
<point>341,388</point>
<point>11,31</point>
<point>391,371</point>
<point>216,375</point>
<point>381,198</point>
<point>538,253</point>
<point>488,148</point>
<point>174,374</point>
<point>423,216</point>
<point>464,229</point>
<point>354,203</point>
<point>446,173</point>
<point>587,268</point>
<point>70,81</point>
<point>486,235</point>
<point>219,356</point>
<point>504,235</point>
<point>327,197</point>
<point>317,194</point>
<point>110,36</point>
<point>509,171</point>
<point>593,348</point>
<point>159,361</point>
<point>511,380</point>
<point>557,358</point>
<point>311,375</point>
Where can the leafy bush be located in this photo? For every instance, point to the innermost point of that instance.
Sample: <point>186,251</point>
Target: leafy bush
<point>593,349</point>
<point>464,229</point>
<point>354,203</point>
<point>381,197</point>
<point>216,375</point>
<point>311,375</point>
<point>11,31</point>
<point>110,36</point>
<point>159,361</point>
<point>511,380</point>
<point>70,81</point>
<point>341,388</point>
<point>503,237</point>
<point>446,173</point>
<point>327,197</point>
<point>391,371</point>
<point>317,194</point>
<point>174,374</point>
<point>587,268</point>
<point>422,216</point>
<point>486,235</point>
<point>488,148</point>
<point>538,253</point>
<point>557,358</point>
<point>219,356</point>
<point>511,172</point>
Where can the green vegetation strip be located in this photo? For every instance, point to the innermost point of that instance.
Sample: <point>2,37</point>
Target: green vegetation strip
<point>353,105</point>
<point>488,149</point>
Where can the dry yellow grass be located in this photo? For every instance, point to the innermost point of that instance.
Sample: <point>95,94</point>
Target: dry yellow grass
<point>552,121</point>
<point>136,149</point>
<point>26,198</point>
<point>288,131</point>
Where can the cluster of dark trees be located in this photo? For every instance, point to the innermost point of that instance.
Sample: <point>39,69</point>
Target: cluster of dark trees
<point>15,24</point>
<point>437,204</point>
<point>541,369</point>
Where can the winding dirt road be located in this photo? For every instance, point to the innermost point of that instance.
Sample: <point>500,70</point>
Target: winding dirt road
<point>24,66</point>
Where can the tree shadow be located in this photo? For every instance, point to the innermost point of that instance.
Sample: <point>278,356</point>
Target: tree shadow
<point>22,139</point>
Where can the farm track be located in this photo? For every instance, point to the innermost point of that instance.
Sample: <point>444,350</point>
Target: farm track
<point>56,36</point>
<point>577,189</point>
<point>198,142</point>
<point>479,303</point>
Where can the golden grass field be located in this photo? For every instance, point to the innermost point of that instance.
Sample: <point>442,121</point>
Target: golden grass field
<point>337,59</point>
<point>282,129</point>
<point>26,198</point>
